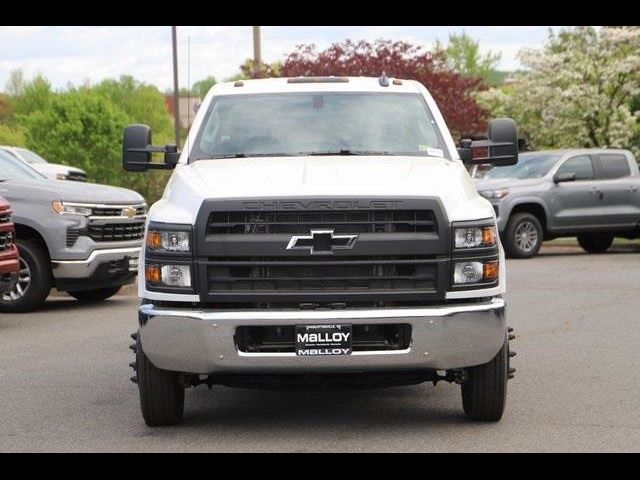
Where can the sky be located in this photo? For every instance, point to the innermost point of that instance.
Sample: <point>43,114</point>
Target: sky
<point>79,54</point>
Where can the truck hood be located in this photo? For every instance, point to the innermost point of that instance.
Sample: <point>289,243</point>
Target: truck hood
<point>317,177</point>
<point>499,183</point>
<point>76,192</point>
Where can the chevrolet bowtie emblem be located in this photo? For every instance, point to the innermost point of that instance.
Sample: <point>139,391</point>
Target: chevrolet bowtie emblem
<point>322,242</point>
<point>129,212</point>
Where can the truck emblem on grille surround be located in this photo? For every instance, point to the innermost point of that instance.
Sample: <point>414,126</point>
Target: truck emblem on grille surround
<point>322,242</point>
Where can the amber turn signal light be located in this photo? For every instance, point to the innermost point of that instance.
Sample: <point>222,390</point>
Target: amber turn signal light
<point>154,240</point>
<point>490,270</point>
<point>153,274</point>
<point>489,236</point>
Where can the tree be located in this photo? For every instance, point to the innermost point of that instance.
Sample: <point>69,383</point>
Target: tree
<point>28,96</point>
<point>451,91</point>
<point>202,87</point>
<point>84,128</point>
<point>463,56</point>
<point>249,69</point>
<point>142,103</point>
<point>577,90</point>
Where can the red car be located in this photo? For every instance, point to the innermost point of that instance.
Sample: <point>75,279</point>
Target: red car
<point>9,266</point>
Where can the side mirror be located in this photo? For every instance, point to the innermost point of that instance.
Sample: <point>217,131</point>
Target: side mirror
<point>501,148</point>
<point>564,177</point>
<point>137,150</point>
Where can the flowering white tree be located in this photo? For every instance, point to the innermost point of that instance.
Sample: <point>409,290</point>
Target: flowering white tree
<point>577,91</point>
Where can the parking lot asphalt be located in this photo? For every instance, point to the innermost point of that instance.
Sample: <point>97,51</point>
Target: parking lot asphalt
<point>64,381</point>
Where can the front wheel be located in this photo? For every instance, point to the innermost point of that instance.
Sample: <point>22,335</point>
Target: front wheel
<point>595,242</point>
<point>95,295</point>
<point>161,394</point>
<point>484,393</point>
<point>524,235</point>
<point>34,280</point>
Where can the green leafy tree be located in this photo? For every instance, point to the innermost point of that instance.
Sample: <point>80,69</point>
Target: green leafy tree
<point>578,91</point>
<point>28,96</point>
<point>249,69</point>
<point>84,128</point>
<point>202,87</point>
<point>142,103</point>
<point>463,56</point>
<point>13,136</point>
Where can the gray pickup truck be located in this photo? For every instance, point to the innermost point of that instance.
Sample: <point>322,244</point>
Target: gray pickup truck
<point>593,194</point>
<point>81,238</point>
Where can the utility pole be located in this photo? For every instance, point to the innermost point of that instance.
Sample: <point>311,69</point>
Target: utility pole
<point>176,91</point>
<point>257,53</point>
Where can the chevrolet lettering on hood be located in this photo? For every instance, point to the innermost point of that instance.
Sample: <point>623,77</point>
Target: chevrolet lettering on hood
<point>324,205</point>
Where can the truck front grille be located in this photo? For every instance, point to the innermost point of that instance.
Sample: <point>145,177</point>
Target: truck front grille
<point>317,282</point>
<point>341,221</point>
<point>6,240</point>
<point>113,232</point>
<point>116,211</point>
<point>72,236</point>
<point>399,255</point>
<point>281,339</point>
<point>5,217</point>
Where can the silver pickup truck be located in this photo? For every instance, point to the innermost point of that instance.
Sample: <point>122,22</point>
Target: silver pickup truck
<point>593,194</point>
<point>81,238</point>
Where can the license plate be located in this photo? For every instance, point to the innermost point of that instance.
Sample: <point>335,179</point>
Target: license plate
<point>312,340</point>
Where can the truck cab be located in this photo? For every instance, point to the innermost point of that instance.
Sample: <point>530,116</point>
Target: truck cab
<point>318,230</point>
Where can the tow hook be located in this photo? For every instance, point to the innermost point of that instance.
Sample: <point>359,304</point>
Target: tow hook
<point>134,365</point>
<point>512,353</point>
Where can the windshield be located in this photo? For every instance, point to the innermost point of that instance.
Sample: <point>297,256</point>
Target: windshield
<point>30,157</point>
<point>13,169</point>
<point>530,165</point>
<point>320,124</point>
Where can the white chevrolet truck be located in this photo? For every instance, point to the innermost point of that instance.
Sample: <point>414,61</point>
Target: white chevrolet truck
<point>319,232</point>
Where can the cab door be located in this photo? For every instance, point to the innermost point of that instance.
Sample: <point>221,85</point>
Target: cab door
<point>577,205</point>
<point>620,195</point>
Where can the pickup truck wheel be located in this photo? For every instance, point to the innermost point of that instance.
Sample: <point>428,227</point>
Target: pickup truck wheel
<point>95,295</point>
<point>34,280</point>
<point>484,394</point>
<point>595,242</point>
<point>524,236</point>
<point>161,394</point>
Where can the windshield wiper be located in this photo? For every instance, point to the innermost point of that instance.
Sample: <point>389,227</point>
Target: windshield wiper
<point>346,151</point>
<point>244,155</point>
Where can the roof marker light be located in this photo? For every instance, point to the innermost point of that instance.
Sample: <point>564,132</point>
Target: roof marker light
<point>383,80</point>
<point>239,83</point>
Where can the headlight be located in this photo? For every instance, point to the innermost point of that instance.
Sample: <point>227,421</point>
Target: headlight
<point>62,208</point>
<point>495,194</point>
<point>61,176</point>
<point>473,271</point>
<point>475,237</point>
<point>168,241</point>
<point>168,276</point>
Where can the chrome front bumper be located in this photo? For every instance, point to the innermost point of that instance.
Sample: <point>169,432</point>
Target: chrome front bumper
<point>202,342</point>
<point>86,268</point>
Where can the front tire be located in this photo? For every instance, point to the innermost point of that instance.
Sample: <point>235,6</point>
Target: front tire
<point>95,295</point>
<point>524,235</point>
<point>595,242</point>
<point>34,281</point>
<point>484,393</point>
<point>161,394</point>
